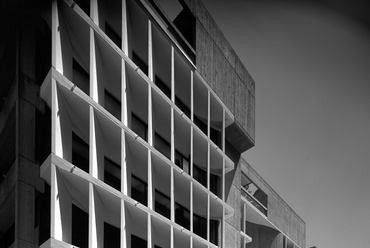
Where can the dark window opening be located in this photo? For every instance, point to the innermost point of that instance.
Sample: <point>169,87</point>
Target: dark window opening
<point>182,162</point>
<point>139,127</point>
<point>112,104</point>
<point>163,87</point>
<point>200,226</point>
<point>162,204</point>
<point>162,146</point>
<point>81,78</point>
<point>182,107</point>
<point>80,153</point>
<point>215,136</point>
<point>201,124</point>
<point>112,34</point>
<point>213,235</point>
<point>112,174</point>
<point>8,237</point>
<point>140,63</point>
<point>185,23</point>
<point>200,175</point>
<point>214,183</point>
<point>137,242</point>
<point>80,227</point>
<point>42,214</point>
<point>84,5</point>
<point>182,216</point>
<point>139,190</point>
<point>112,236</point>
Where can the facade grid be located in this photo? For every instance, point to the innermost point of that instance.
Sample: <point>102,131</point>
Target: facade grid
<point>122,125</point>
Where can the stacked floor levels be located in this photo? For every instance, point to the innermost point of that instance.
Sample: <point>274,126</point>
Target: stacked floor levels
<point>122,124</point>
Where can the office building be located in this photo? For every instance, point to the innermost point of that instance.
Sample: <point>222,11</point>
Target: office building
<point>122,124</point>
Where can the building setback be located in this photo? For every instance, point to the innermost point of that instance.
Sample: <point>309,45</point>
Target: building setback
<point>122,124</point>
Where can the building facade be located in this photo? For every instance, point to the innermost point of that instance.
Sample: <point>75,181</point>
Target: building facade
<point>122,124</point>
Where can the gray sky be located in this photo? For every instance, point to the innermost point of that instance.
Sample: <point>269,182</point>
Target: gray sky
<point>311,64</point>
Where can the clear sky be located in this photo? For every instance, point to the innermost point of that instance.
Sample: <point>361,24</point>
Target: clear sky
<point>311,65</point>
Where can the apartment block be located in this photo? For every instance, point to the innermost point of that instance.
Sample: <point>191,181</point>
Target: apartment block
<point>122,124</point>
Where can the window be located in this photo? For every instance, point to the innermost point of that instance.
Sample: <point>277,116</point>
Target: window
<point>8,237</point>
<point>182,107</point>
<point>182,216</point>
<point>182,162</point>
<point>140,63</point>
<point>163,87</point>
<point>80,227</point>
<point>162,146</point>
<point>112,104</point>
<point>213,235</point>
<point>80,153</point>
<point>200,226</point>
<point>139,127</point>
<point>201,124</point>
<point>109,31</point>
<point>112,236</point>
<point>214,183</point>
<point>112,174</point>
<point>162,204</point>
<point>200,175</point>
<point>139,190</point>
<point>138,242</point>
<point>80,77</point>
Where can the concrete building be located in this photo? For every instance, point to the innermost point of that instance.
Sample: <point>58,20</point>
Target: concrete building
<point>122,124</point>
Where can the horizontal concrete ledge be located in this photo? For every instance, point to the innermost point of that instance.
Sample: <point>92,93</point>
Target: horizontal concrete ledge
<point>239,138</point>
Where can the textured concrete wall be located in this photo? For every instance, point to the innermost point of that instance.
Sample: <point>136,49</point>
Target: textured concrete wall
<point>263,236</point>
<point>279,211</point>
<point>219,65</point>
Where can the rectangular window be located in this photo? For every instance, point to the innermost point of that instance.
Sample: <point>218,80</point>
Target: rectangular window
<point>163,87</point>
<point>112,174</point>
<point>109,31</point>
<point>182,162</point>
<point>162,146</point>
<point>200,175</point>
<point>112,104</point>
<point>138,242</point>
<point>201,124</point>
<point>162,204</point>
<point>80,227</point>
<point>214,183</point>
<point>213,235</point>
<point>182,107</point>
<point>140,63</point>
<point>215,136</point>
<point>182,216</point>
<point>80,77</point>
<point>139,190</point>
<point>80,153</point>
<point>200,226</point>
<point>139,127</point>
<point>112,236</point>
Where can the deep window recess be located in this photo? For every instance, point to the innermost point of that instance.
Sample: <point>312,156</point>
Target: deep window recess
<point>182,107</point>
<point>200,175</point>
<point>112,104</point>
<point>84,5</point>
<point>140,63</point>
<point>139,190</point>
<point>182,216</point>
<point>182,162</point>
<point>112,174</point>
<point>162,204</point>
<point>42,215</point>
<point>139,126</point>
<point>162,146</point>
<point>80,77</point>
<point>200,226</point>
<point>112,236</point>
<point>201,124</point>
<point>215,136</point>
<point>80,227</point>
<point>163,87</point>
<point>80,153</point>
<point>213,235</point>
<point>109,31</point>
<point>138,242</point>
<point>8,237</point>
